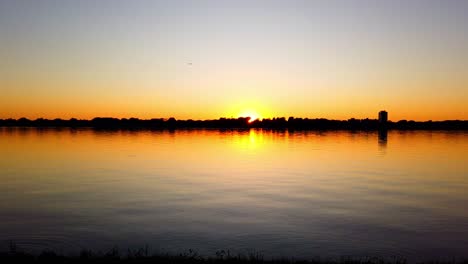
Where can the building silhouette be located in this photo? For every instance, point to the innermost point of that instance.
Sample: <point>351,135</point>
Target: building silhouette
<point>383,117</point>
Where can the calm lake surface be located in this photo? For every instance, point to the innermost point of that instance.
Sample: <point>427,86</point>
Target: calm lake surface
<point>294,194</point>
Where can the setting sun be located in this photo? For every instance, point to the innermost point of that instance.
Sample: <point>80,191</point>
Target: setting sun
<point>252,114</point>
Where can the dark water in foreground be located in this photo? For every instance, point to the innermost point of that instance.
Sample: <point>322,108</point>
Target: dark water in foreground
<point>301,194</point>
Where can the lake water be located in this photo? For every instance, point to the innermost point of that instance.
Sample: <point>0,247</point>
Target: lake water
<point>293,194</point>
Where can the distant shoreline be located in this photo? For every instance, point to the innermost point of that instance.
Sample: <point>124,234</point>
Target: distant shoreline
<point>237,123</point>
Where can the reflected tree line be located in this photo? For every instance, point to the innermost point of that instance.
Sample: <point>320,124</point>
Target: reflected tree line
<point>290,123</point>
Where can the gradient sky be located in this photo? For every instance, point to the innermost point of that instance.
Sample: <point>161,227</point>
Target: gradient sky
<point>207,59</point>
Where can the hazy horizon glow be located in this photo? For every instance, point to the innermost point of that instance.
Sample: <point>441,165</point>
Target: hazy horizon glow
<point>211,59</point>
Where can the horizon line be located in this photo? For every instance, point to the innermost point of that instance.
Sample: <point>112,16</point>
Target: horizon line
<point>219,118</point>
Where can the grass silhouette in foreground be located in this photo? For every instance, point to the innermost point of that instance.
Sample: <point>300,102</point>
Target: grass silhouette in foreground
<point>143,255</point>
<point>239,123</point>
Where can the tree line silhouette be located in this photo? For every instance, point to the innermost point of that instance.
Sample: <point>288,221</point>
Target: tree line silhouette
<point>238,123</point>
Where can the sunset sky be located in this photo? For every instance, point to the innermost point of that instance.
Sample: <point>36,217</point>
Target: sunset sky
<point>211,59</point>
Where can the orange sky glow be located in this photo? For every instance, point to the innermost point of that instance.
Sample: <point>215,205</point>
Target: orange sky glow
<point>212,59</point>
